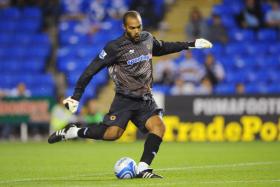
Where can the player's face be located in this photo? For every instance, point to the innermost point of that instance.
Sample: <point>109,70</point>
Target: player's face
<point>133,28</point>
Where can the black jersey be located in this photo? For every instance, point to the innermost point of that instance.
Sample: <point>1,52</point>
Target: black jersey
<point>129,64</point>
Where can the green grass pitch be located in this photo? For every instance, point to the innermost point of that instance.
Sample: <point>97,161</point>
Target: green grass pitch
<point>84,163</point>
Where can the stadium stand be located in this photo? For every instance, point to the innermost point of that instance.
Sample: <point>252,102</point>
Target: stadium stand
<point>24,51</point>
<point>82,38</point>
<point>251,56</point>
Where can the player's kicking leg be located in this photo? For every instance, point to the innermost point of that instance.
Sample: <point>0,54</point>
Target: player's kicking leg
<point>156,130</point>
<point>97,132</point>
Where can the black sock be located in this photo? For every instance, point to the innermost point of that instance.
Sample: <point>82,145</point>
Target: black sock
<point>151,147</point>
<point>93,132</point>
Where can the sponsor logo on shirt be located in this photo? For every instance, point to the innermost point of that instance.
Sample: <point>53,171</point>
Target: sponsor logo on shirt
<point>102,54</point>
<point>139,59</point>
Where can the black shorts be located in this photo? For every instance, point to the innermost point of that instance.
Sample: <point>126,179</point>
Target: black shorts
<point>138,110</point>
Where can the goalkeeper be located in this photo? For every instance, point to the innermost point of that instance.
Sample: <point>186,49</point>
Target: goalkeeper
<point>129,60</point>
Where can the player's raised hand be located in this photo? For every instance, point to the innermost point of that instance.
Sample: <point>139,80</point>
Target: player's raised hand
<point>71,104</point>
<point>202,43</point>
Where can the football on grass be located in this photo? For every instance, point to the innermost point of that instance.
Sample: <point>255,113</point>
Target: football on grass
<point>125,168</point>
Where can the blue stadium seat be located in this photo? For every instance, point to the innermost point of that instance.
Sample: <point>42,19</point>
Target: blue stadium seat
<point>267,35</point>
<point>21,38</point>
<point>244,62</point>
<point>216,50</point>
<point>224,89</point>
<point>230,2</point>
<point>29,26</point>
<point>66,52</point>
<point>241,35</point>
<point>32,12</point>
<point>7,26</point>
<point>228,21</point>
<point>256,48</point>
<point>273,76</point>
<point>158,5</point>
<point>273,89</point>
<point>10,13</point>
<point>71,64</point>
<point>228,63</point>
<point>73,39</point>
<point>40,51</point>
<point>221,9</point>
<point>251,76</point>
<point>268,61</point>
<point>256,88</point>
<point>7,81</point>
<point>235,49</point>
<point>10,67</point>
<point>236,77</point>
<point>88,51</point>
<point>72,78</point>
<point>5,39</point>
<point>274,48</point>
<point>42,91</point>
<point>265,7</point>
<point>33,67</point>
<point>16,51</point>
<point>45,79</point>
<point>162,89</point>
<point>40,39</point>
<point>67,26</point>
<point>100,38</point>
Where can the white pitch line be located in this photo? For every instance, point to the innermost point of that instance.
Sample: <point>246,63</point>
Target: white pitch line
<point>54,178</point>
<point>220,166</point>
<point>200,182</point>
<point>247,164</point>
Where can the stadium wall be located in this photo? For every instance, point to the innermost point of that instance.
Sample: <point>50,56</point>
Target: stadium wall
<point>219,118</point>
<point>187,118</point>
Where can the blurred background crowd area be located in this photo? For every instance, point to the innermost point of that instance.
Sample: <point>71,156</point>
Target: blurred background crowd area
<point>45,46</point>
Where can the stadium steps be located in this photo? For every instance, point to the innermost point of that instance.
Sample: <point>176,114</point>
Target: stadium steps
<point>178,16</point>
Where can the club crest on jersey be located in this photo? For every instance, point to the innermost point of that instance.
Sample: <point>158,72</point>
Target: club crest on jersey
<point>139,59</point>
<point>102,54</point>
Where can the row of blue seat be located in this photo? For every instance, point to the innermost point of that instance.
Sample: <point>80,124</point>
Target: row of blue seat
<point>23,51</point>
<point>41,84</point>
<point>39,91</point>
<point>252,88</point>
<point>13,13</point>
<point>266,35</point>
<point>100,37</point>
<point>27,39</point>
<point>229,7</point>
<point>249,76</point>
<point>249,89</point>
<point>25,26</point>
<point>35,78</point>
<point>27,67</point>
<point>20,51</point>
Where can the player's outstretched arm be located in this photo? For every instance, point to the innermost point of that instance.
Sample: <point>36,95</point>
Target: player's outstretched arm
<point>105,58</point>
<point>163,48</point>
